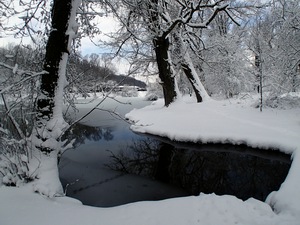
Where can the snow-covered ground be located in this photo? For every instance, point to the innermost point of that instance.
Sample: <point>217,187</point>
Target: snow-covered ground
<point>228,121</point>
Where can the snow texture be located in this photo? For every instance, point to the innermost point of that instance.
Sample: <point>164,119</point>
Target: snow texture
<point>22,207</point>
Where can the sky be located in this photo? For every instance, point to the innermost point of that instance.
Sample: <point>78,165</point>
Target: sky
<point>106,25</point>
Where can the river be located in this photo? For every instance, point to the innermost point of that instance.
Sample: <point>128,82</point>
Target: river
<point>110,165</point>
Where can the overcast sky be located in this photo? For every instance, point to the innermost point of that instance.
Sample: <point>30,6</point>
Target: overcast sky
<point>106,25</point>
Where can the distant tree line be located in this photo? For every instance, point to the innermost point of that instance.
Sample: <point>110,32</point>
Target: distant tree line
<point>84,73</point>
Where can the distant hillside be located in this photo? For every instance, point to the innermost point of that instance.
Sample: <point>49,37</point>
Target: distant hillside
<point>84,73</point>
<point>87,74</point>
<point>125,80</point>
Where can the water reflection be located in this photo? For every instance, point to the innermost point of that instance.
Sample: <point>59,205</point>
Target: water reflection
<point>85,176</point>
<point>222,169</point>
<point>80,133</point>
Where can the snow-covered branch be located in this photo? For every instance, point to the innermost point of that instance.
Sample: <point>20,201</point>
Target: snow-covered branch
<point>28,75</point>
<point>204,24</point>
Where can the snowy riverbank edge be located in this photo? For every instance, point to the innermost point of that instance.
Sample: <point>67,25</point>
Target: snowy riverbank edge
<point>242,124</point>
<point>231,121</point>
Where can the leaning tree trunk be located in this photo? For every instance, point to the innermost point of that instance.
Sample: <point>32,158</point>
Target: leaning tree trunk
<point>190,72</point>
<point>161,46</point>
<point>182,58</point>
<point>49,118</point>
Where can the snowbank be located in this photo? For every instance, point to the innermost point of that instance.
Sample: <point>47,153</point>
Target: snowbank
<point>235,122</point>
<point>19,206</point>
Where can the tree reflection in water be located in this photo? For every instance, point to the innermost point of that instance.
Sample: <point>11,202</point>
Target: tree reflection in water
<point>211,168</point>
<point>80,133</point>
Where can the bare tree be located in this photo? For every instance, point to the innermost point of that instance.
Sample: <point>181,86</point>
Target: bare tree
<point>41,146</point>
<point>182,61</point>
<point>155,21</point>
<point>49,117</point>
<point>274,42</point>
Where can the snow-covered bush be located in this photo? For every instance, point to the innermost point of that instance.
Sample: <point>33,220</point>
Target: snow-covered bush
<point>14,167</point>
<point>285,101</point>
<point>154,92</point>
<point>18,92</point>
<point>151,97</point>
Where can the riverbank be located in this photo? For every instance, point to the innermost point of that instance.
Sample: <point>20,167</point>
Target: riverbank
<point>232,121</point>
<point>227,121</point>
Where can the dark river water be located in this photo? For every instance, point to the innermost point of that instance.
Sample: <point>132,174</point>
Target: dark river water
<point>111,165</point>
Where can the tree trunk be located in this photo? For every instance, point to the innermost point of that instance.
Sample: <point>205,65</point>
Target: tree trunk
<point>161,46</point>
<point>49,118</point>
<point>57,45</point>
<point>190,71</point>
<point>182,58</point>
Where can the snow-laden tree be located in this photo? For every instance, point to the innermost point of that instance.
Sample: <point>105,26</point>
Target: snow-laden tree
<point>50,124</point>
<point>286,46</point>
<point>18,89</point>
<point>181,59</point>
<point>275,44</point>
<point>227,68</point>
<point>219,52</point>
<point>153,23</point>
<point>32,154</point>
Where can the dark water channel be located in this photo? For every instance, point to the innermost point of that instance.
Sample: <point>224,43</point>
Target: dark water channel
<point>113,166</point>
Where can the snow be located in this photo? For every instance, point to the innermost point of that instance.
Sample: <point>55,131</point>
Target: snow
<point>219,122</point>
<point>15,69</point>
<point>228,121</point>
<point>22,207</point>
<point>231,121</point>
